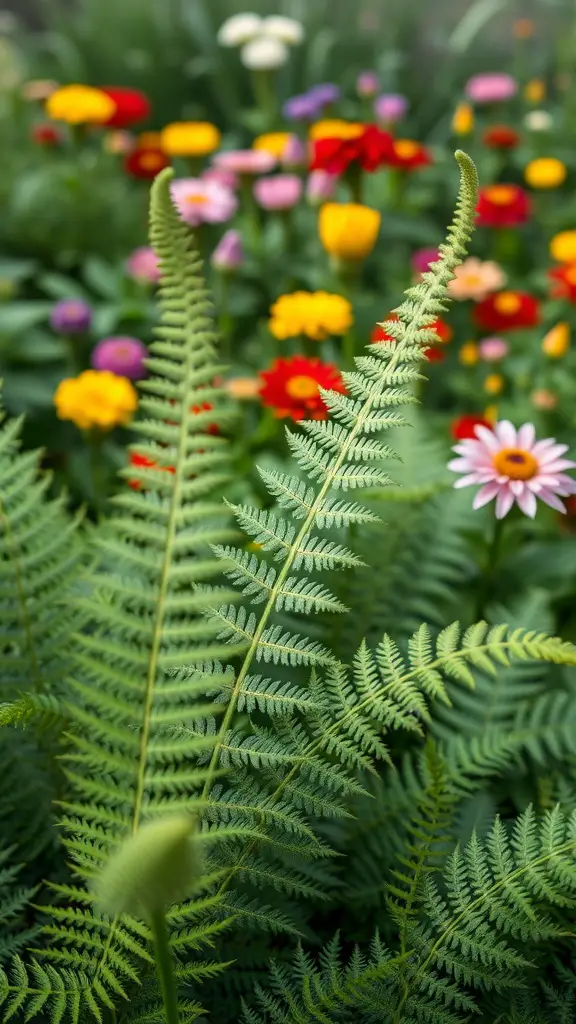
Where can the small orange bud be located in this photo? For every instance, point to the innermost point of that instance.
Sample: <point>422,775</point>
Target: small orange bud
<point>469,354</point>
<point>494,383</point>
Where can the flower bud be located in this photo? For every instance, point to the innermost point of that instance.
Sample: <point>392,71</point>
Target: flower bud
<point>556,342</point>
<point>229,253</point>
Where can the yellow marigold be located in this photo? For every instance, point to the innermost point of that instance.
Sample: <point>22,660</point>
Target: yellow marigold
<point>563,247</point>
<point>273,142</point>
<point>190,138</point>
<point>314,314</point>
<point>80,104</point>
<point>494,383</point>
<point>545,172</point>
<point>96,399</point>
<point>463,119</point>
<point>469,354</point>
<point>335,129</point>
<point>348,230</point>
<point>534,90</point>
<point>556,342</point>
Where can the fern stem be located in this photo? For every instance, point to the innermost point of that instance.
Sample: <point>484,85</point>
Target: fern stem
<point>164,966</point>
<point>485,585</point>
<point>24,612</point>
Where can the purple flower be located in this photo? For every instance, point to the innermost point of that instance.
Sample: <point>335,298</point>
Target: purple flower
<point>491,87</point>
<point>301,108</point>
<point>120,355</point>
<point>71,316</point>
<point>325,93</point>
<point>229,253</point>
<point>142,265</point>
<point>422,258</point>
<point>294,154</point>
<point>278,191</point>
<point>320,187</point>
<point>390,107</point>
<point>367,83</point>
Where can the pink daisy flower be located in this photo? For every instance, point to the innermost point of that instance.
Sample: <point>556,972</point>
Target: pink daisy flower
<point>512,466</point>
<point>201,202</point>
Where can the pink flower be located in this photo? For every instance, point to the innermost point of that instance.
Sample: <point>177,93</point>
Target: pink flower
<point>278,192</point>
<point>121,355</point>
<point>201,202</point>
<point>512,466</point>
<point>476,279</point>
<point>493,349</point>
<point>390,107</point>
<point>221,176</point>
<point>320,187</point>
<point>245,161</point>
<point>422,258</point>
<point>491,87</point>
<point>142,265</point>
<point>229,253</point>
<point>367,83</point>
<point>294,154</point>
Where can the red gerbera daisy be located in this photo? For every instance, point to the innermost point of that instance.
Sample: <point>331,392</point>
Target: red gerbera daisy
<point>563,282</point>
<point>290,387</point>
<point>465,426</point>
<point>46,135</point>
<point>507,311</point>
<point>138,461</point>
<point>131,106</point>
<point>502,206</point>
<point>501,136</point>
<point>370,150</point>
<point>145,163</point>
<point>407,155</point>
<point>442,329</point>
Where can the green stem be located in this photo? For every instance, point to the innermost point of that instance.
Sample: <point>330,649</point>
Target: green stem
<point>224,318</point>
<point>94,440</point>
<point>252,212</point>
<point>264,95</point>
<point>485,587</point>
<point>164,966</point>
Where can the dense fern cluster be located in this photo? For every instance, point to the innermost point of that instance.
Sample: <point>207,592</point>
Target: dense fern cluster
<point>345,765</point>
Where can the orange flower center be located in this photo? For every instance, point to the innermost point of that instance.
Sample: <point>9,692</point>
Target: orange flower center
<point>406,149</point>
<point>507,302</point>
<point>471,280</point>
<point>500,195</point>
<point>515,463</point>
<point>570,275</point>
<point>196,198</point>
<point>149,161</point>
<point>302,386</point>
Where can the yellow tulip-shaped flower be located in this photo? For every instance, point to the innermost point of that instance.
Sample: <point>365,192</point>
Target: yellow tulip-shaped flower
<point>190,138</point>
<point>545,172</point>
<point>563,247</point>
<point>463,119</point>
<point>348,231</point>
<point>80,104</point>
<point>556,342</point>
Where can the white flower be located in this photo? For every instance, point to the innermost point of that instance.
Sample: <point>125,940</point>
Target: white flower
<point>538,120</point>
<point>239,29</point>
<point>287,30</point>
<point>264,53</point>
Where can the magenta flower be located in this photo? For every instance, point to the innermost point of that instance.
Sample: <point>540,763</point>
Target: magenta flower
<point>422,258</point>
<point>120,355</point>
<point>320,187</point>
<point>71,316</point>
<point>491,87</point>
<point>367,83</point>
<point>229,253</point>
<point>203,202</point>
<point>493,349</point>
<point>294,153</point>
<point>390,107</point>
<point>278,192</point>
<point>512,466</point>
<point>142,265</point>
<point>245,161</point>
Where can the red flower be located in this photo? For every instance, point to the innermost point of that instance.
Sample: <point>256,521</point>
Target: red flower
<point>139,461</point>
<point>290,387</point>
<point>507,311</point>
<point>463,428</point>
<point>434,355</point>
<point>502,206</point>
<point>501,136</point>
<point>145,163</point>
<point>131,106</point>
<point>443,330</point>
<point>46,135</point>
<point>371,149</point>
<point>563,282</point>
<point>407,155</point>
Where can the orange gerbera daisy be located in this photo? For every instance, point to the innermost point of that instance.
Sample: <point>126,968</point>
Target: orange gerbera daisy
<point>407,155</point>
<point>291,387</point>
<point>434,354</point>
<point>563,282</point>
<point>502,206</point>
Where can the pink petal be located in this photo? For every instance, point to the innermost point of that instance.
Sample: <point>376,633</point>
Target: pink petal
<point>547,446</point>
<point>558,465</point>
<point>504,501</point>
<point>506,434</point>
<point>526,436</point>
<point>460,465</point>
<point>517,487</point>
<point>466,481</point>
<point>488,439</point>
<point>485,494</point>
<point>527,502</point>
<point>550,498</point>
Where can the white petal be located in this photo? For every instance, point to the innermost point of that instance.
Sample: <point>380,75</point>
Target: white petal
<point>466,481</point>
<point>488,438</point>
<point>526,436</point>
<point>527,502</point>
<point>486,494</point>
<point>460,465</point>
<point>546,446</point>
<point>517,487</point>
<point>552,453</point>
<point>558,465</point>
<point>504,501</point>
<point>506,434</point>
<point>551,499</point>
